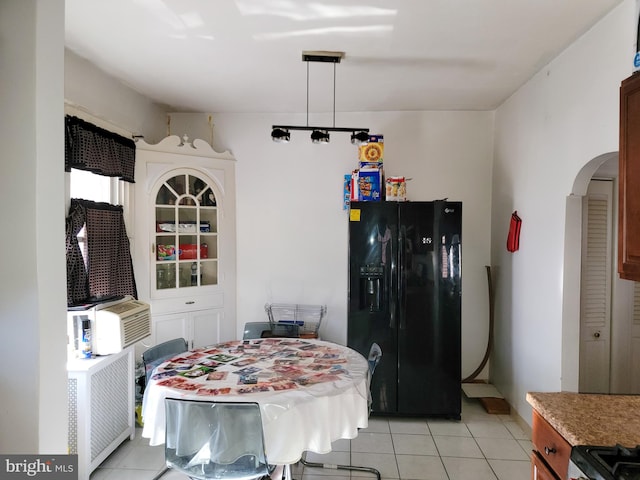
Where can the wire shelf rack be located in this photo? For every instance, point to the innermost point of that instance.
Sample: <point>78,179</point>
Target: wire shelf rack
<point>307,317</point>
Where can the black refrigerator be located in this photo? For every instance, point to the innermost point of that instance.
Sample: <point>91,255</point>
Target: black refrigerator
<point>405,295</point>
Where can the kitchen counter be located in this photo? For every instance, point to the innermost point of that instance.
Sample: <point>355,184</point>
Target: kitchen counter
<point>591,419</point>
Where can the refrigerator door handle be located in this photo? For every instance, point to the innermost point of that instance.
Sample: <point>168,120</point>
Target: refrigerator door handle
<point>400,277</point>
<point>390,293</point>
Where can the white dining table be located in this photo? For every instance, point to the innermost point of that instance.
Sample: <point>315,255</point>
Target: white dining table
<point>311,392</point>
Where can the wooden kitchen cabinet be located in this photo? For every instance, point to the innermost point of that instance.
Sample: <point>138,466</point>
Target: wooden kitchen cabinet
<point>629,180</point>
<point>185,243</point>
<point>540,470</point>
<point>562,420</point>
<point>550,459</point>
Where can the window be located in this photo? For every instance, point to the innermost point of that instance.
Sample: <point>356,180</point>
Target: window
<point>87,185</point>
<point>90,186</point>
<point>98,249</point>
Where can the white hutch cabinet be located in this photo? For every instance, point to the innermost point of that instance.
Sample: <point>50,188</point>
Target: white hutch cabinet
<point>184,241</point>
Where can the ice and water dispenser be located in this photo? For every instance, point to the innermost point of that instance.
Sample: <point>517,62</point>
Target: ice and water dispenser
<point>371,287</point>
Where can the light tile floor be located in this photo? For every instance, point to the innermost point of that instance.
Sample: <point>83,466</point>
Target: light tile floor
<point>479,447</point>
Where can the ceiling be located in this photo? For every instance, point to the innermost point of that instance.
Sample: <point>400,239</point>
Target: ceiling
<point>246,55</point>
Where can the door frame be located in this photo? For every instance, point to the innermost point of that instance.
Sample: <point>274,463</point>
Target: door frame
<point>572,267</point>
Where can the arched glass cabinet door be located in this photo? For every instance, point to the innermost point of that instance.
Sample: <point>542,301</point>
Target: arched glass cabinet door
<point>186,233</point>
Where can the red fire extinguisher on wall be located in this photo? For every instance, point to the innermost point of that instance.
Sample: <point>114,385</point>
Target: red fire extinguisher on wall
<point>513,239</point>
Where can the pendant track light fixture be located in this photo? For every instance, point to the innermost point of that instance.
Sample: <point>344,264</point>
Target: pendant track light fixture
<point>281,133</point>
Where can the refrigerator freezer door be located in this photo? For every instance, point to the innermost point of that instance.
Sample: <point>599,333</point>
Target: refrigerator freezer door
<point>372,311</point>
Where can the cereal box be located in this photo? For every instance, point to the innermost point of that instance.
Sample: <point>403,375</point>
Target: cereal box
<point>372,151</point>
<point>346,191</point>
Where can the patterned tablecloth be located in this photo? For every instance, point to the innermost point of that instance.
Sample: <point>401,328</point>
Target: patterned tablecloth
<point>311,393</point>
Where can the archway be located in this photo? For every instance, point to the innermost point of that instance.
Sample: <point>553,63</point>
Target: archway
<point>572,268</point>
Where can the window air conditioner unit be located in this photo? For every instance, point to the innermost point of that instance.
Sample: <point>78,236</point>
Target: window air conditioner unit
<point>118,326</point>
<point>114,325</point>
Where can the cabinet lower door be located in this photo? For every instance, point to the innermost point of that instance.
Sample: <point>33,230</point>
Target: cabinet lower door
<point>206,327</point>
<point>170,326</point>
<point>199,328</point>
<point>540,470</point>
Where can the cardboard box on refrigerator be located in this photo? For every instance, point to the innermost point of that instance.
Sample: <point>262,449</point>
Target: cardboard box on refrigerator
<point>367,185</point>
<point>396,189</point>
<point>346,191</point>
<point>372,151</point>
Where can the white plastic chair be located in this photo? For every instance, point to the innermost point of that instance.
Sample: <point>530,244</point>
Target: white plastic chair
<point>215,440</point>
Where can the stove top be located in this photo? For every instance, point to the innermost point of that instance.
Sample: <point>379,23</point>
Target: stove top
<point>607,463</point>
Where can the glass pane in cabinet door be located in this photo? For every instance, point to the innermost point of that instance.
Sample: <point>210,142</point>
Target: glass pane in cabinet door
<point>208,220</point>
<point>209,272</point>
<point>196,185</point>
<point>188,274</point>
<point>211,242</point>
<point>178,183</point>
<point>188,247</point>
<point>208,198</point>
<point>187,218</point>
<point>202,191</point>
<point>165,219</point>
<point>165,276</point>
<point>165,196</point>
<point>204,249</point>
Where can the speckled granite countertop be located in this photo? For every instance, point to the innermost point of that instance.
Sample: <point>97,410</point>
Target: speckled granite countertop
<point>591,419</point>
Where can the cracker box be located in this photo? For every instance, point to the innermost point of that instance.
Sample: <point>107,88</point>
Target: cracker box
<point>366,185</point>
<point>372,151</point>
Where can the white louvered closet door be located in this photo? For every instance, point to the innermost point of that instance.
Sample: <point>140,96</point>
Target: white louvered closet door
<point>595,301</point>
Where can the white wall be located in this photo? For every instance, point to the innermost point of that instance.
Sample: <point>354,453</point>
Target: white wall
<point>292,231</point>
<point>94,91</point>
<point>33,401</point>
<point>545,133</point>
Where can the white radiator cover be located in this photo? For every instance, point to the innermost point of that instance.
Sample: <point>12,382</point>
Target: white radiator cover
<point>101,407</point>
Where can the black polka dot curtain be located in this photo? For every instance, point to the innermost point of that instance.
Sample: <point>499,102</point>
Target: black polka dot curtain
<point>104,269</point>
<point>89,147</point>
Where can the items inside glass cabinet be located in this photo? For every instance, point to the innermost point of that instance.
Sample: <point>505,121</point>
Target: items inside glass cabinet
<point>186,239</point>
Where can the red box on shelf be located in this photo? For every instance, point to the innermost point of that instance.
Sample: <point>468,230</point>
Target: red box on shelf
<point>189,251</point>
